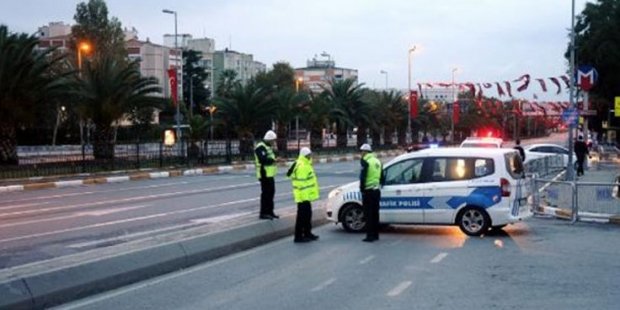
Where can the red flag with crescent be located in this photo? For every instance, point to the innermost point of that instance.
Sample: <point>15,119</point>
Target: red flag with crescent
<point>172,79</point>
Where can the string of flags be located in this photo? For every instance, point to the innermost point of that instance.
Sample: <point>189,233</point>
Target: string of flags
<point>504,88</point>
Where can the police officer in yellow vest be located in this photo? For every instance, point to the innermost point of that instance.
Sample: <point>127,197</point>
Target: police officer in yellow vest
<point>266,170</point>
<point>370,186</point>
<point>305,190</point>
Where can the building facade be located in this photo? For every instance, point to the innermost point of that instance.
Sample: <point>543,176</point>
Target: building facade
<point>243,64</point>
<point>318,74</point>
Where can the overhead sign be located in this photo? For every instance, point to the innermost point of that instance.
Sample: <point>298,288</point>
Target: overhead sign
<point>570,116</point>
<point>586,77</point>
<point>617,107</point>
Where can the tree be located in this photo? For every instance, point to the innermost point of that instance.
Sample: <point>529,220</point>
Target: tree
<point>93,26</point>
<point>194,77</point>
<point>110,90</point>
<point>288,103</point>
<point>316,113</point>
<point>597,43</point>
<point>395,113</point>
<point>226,83</point>
<point>347,109</point>
<point>244,111</point>
<point>27,84</point>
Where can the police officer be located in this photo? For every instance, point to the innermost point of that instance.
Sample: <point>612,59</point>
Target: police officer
<point>305,190</point>
<point>370,184</point>
<point>266,169</point>
<point>519,148</point>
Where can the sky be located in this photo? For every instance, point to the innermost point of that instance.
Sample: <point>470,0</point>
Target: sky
<point>486,40</point>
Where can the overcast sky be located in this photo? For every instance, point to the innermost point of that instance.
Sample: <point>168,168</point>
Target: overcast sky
<point>487,40</point>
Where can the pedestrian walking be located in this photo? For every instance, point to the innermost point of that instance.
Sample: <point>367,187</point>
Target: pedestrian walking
<point>519,148</point>
<point>370,186</point>
<point>581,150</point>
<point>266,170</point>
<point>305,190</point>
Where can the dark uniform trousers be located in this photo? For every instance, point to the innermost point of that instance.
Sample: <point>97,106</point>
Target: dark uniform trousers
<point>268,192</point>
<point>303,223</point>
<point>370,200</point>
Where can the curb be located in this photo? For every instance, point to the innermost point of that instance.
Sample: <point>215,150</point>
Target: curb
<point>49,283</point>
<point>141,175</point>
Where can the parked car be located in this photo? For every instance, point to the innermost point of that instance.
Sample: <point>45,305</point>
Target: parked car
<point>447,186</point>
<point>535,151</point>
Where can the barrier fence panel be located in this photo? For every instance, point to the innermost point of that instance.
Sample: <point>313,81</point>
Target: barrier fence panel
<point>555,194</point>
<point>597,199</point>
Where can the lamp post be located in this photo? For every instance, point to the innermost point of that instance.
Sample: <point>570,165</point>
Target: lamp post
<point>570,171</point>
<point>410,51</point>
<point>454,98</point>
<point>386,78</point>
<point>82,47</point>
<point>298,82</point>
<point>176,65</point>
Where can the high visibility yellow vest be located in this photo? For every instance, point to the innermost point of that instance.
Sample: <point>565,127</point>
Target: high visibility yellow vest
<point>270,170</point>
<point>305,184</point>
<point>373,176</point>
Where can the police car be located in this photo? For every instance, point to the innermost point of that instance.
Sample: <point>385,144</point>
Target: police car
<point>474,188</point>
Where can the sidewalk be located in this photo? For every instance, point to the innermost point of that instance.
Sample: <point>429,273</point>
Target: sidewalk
<point>125,176</point>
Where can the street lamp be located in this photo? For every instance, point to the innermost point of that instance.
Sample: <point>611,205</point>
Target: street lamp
<point>82,47</point>
<point>454,99</point>
<point>411,50</point>
<point>176,65</point>
<point>298,82</point>
<point>386,78</point>
<point>570,171</point>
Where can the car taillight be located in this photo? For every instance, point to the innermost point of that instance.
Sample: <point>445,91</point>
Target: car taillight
<point>505,187</point>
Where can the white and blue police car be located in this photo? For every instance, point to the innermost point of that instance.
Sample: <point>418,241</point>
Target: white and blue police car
<point>475,188</point>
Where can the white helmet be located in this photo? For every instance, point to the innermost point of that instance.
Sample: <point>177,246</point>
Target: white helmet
<point>366,147</point>
<point>270,136</point>
<point>305,151</point>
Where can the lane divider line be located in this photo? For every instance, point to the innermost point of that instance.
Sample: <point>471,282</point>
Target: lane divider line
<point>439,258</point>
<point>399,289</point>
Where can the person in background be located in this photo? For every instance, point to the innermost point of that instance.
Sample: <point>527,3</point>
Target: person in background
<point>305,190</point>
<point>581,150</point>
<point>519,148</point>
<point>370,186</point>
<point>266,170</point>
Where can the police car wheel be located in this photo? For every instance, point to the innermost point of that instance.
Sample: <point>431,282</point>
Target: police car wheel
<point>473,221</point>
<point>353,218</point>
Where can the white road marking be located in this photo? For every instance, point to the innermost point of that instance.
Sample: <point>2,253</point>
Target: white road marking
<point>127,237</point>
<point>74,215</point>
<point>399,289</point>
<point>323,285</point>
<point>25,205</point>
<point>439,258</point>
<point>396,242</point>
<point>124,200</point>
<point>367,259</point>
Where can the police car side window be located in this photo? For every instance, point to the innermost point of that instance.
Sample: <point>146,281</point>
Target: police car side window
<point>404,172</point>
<point>483,167</point>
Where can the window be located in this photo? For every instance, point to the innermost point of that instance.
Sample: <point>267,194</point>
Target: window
<point>404,172</point>
<point>483,167</point>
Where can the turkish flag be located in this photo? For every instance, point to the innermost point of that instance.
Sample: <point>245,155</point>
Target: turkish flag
<point>456,112</point>
<point>172,78</point>
<point>413,104</point>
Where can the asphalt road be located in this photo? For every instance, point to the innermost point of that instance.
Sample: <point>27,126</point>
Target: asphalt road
<point>44,224</point>
<point>537,264</point>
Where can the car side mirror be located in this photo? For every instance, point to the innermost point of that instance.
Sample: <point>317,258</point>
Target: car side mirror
<point>615,192</point>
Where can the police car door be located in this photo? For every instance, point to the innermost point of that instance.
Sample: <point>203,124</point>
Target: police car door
<point>402,192</point>
<point>448,182</point>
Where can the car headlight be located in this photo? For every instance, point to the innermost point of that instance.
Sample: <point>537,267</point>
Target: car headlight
<point>334,193</point>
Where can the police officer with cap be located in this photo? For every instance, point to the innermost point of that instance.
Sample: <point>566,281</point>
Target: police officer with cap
<point>266,170</point>
<point>370,186</point>
<point>305,190</point>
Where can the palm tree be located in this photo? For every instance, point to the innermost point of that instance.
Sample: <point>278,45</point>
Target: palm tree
<point>246,111</point>
<point>109,90</point>
<point>315,114</point>
<point>27,84</point>
<point>287,102</point>
<point>348,109</point>
<point>226,83</point>
<point>395,110</point>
